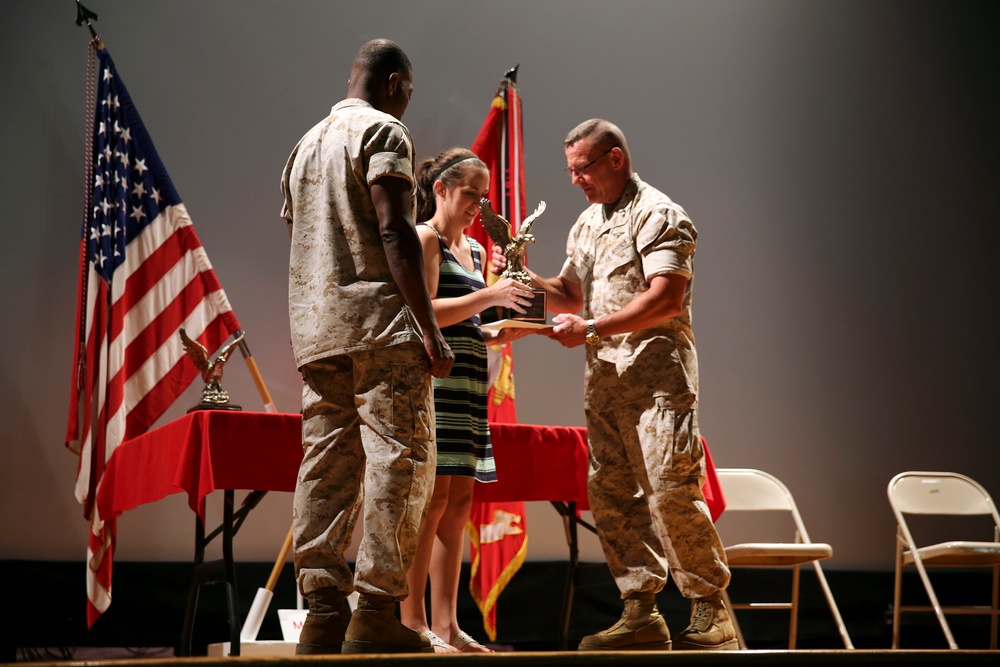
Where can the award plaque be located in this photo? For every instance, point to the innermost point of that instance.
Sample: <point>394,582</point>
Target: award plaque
<point>213,396</point>
<point>514,247</point>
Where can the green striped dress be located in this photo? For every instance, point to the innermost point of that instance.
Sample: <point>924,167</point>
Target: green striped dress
<point>463,435</point>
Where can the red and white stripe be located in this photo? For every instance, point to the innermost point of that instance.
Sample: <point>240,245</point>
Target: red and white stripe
<point>131,367</point>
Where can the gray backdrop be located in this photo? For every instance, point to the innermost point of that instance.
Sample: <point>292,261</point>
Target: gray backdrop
<point>838,159</point>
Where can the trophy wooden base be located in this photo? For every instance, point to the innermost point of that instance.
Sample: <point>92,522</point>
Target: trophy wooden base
<point>215,406</point>
<point>536,311</point>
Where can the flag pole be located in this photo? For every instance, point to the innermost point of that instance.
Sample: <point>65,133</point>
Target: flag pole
<point>258,379</point>
<point>263,598</point>
<point>509,79</point>
<point>83,15</point>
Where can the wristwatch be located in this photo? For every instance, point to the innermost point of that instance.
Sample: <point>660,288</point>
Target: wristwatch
<point>592,337</point>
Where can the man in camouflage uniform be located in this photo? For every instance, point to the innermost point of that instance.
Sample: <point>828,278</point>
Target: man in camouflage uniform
<point>630,267</point>
<point>366,342</point>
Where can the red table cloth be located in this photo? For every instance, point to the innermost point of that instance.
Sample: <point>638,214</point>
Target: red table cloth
<point>537,463</point>
<point>550,463</point>
<point>207,450</point>
<point>199,453</point>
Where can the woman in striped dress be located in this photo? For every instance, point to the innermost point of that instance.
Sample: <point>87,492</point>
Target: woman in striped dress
<point>449,188</point>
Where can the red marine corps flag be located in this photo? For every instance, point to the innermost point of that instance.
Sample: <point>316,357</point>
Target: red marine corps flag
<point>497,530</point>
<point>143,276</point>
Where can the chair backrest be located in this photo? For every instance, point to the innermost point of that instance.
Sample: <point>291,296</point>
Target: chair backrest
<point>948,493</point>
<point>748,489</point>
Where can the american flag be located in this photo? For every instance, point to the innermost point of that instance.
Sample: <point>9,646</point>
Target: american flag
<point>143,276</point>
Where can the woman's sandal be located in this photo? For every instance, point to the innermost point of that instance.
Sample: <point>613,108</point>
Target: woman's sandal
<point>438,643</point>
<point>466,644</point>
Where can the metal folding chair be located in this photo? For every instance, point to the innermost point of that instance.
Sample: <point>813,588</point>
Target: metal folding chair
<point>942,494</point>
<point>749,490</point>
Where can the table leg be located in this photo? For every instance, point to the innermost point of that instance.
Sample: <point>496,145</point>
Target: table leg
<point>213,572</point>
<point>570,520</point>
<point>193,588</point>
<point>232,601</point>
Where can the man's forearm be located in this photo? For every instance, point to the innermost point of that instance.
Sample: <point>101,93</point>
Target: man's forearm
<point>558,299</point>
<point>402,249</point>
<point>391,197</point>
<point>664,299</point>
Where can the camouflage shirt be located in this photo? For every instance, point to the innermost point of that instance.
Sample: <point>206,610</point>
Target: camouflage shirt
<point>341,294</point>
<point>612,253</point>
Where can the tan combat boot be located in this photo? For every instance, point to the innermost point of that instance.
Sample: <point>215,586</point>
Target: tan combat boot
<point>326,623</point>
<point>374,628</point>
<point>711,627</point>
<point>641,628</point>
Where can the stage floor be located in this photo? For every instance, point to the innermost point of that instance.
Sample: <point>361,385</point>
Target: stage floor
<point>150,597</point>
<point>582,659</point>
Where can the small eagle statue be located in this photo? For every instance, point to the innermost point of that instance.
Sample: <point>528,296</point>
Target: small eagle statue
<point>513,247</point>
<point>211,371</point>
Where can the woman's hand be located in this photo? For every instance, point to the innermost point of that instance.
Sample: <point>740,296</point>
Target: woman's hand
<point>509,293</point>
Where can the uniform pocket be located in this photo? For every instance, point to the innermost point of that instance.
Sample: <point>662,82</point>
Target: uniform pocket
<point>617,251</point>
<point>682,451</point>
<point>407,411</point>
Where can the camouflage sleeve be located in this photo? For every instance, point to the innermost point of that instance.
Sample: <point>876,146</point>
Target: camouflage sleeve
<point>286,188</point>
<point>665,239</point>
<point>389,152</point>
<point>575,266</point>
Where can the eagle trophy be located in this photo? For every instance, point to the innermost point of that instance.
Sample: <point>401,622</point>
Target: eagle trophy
<point>213,397</point>
<point>513,248</point>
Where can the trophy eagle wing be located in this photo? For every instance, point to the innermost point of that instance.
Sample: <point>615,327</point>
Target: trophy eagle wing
<point>195,350</point>
<point>530,220</point>
<point>495,226</point>
<point>221,359</point>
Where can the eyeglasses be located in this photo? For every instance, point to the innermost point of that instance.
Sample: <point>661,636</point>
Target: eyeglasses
<point>580,171</point>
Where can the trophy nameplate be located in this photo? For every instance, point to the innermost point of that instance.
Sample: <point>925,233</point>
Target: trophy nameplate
<point>513,248</point>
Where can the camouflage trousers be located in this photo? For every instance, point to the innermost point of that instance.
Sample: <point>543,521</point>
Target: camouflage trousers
<point>646,472</point>
<point>368,447</point>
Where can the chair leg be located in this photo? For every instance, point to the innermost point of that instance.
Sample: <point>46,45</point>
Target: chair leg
<point>732,615</point>
<point>934,601</point>
<point>996,607</point>
<point>897,595</point>
<point>841,627</point>
<point>793,624</point>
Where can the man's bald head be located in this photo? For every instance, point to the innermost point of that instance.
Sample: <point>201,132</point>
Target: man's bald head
<point>381,57</point>
<point>381,75</point>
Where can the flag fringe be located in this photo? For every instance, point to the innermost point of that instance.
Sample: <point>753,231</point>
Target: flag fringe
<point>503,387</point>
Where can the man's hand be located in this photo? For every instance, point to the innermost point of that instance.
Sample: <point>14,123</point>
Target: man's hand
<point>438,353</point>
<point>498,261</point>
<point>569,330</point>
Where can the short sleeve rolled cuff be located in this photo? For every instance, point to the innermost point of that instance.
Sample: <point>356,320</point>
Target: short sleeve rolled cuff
<point>666,244</point>
<point>389,150</point>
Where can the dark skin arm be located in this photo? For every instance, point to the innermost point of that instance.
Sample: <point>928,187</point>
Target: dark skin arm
<point>391,197</point>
